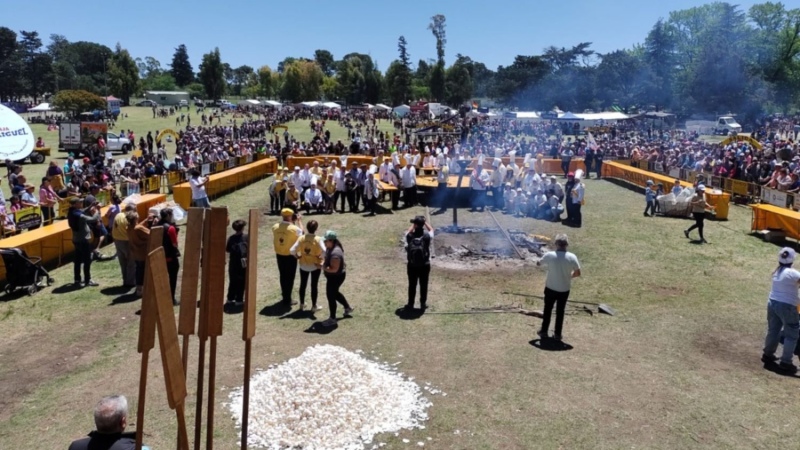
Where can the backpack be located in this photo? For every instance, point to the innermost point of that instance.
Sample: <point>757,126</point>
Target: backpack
<point>418,250</point>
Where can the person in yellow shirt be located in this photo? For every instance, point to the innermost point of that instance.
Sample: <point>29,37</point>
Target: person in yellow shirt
<point>120,234</point>
<point>284,235</point>
<point>277,191</point>
<point>292,200</point>
<point>328,190</point>
<point>310,253</point>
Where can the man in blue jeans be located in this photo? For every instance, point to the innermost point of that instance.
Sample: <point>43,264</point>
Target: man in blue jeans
<point>562,267</point>
<point>782,317</point>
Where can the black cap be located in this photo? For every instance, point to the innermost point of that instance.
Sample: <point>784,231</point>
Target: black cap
<point>419,220</point>
<point>89,200</point>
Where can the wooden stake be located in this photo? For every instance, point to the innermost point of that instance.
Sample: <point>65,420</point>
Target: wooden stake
<point>147,333</point>
<point>191,272</point>
<point>202,331</point>
<point>249,319</point>
<point>217,238</point>
<point>174,379</point>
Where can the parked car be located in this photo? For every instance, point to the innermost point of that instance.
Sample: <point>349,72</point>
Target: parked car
<point>147,103</point>
<point>115,143</point>
<point>727,125</point>
<point>183,103</point>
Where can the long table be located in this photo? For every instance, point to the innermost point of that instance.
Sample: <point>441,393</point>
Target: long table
<point>226,181</point>
<point>550,165</point>
<point>639,177</point>
<point>452,181</point>
<point>54,242</point>
<point>771,217</point>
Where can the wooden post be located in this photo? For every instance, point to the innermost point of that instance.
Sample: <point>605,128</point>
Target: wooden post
<point>202,331</point>
<point>218,223</point>
<point>191,272</point>
<point>147,334</point>
<point>174,378</point>
<point>249,317</point>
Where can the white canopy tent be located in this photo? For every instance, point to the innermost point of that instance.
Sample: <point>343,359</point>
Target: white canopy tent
<point>607,115</point>
<point>402,110</point>
<point>368,105</point>
<point>310,104</point>
<point>569,116</point>
<point>272,103</point>
<point>528,116</point>
<point>42,107</point>
<point>382,106</point>
<point>331,105</point>
<point>250,102</point>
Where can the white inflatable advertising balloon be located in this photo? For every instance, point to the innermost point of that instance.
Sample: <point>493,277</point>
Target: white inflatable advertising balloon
<point>16,137</point>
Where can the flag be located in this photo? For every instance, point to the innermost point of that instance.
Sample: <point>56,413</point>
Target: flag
<point>591,141</point>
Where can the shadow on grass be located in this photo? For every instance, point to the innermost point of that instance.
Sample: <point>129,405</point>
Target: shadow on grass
<point>17,294</point>
<point>276,309</point>
<point>409,313</point>
<point>551,345</point>
<point>115,290</point>
<point>320,328</point>
<point>774,368</point>
<point>65,288</point>
<point>300,314</point>
<point>125,298</point>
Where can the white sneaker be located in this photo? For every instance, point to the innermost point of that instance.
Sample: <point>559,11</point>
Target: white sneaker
<point>348,311</point>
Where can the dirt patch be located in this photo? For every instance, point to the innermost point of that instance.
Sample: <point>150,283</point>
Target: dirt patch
<point>47,355</point>
<point>484,249</point>
<point>668,291</point>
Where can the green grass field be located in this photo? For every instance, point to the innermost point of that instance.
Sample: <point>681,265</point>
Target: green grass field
<point>677,367</point>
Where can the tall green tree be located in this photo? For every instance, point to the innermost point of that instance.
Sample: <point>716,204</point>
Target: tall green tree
<point>266,87</point>
<point>37,72</point>
<point>212,75</point>
<point>325,61</point>
<point>241,76</point>
<point>437,78</point>
<point>458,84</point>
<point>400,86</point>
<point>10,65</point>
<point>123,75</point>
<point>77,101</point>
<point>181,68</point>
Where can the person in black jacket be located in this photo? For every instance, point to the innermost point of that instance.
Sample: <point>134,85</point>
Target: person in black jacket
<point>171,251</point>
<point>110,418</point>
<point>237,267</point>
<point>418,249</point>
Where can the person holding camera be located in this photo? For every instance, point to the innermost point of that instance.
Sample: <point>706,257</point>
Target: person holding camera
<point>418,268</point>
<point>198,185</point>
<point>82,222</point>
<point>284,235</point>
<point>237,267</point>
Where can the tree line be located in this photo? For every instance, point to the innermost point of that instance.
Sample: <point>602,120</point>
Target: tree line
<point>714,58</point>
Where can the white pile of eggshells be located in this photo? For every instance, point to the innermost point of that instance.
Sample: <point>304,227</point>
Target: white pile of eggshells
<point>329,398</point>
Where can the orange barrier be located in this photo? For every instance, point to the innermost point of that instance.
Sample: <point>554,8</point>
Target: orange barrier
<point>639,177</point>
<point>226,181</point>
<point>54,242</point>
<point>770,217</point>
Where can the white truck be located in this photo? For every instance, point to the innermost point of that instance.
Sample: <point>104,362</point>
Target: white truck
<point>727,125</point>
<point>76,137</point>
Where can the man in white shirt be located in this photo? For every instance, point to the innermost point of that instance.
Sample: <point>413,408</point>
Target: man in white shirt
<point>296,178</point>
<point>305,178</point>
<point>341,191</point>
<point>313,199</point>
<point>408,177</point>
<point>562,267</point>
<point>496,181</point>
<point>198,186</point>
<point>479,181</point>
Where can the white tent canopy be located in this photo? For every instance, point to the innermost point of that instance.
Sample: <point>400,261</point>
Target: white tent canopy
<point>569,116</point>
<point>250,102</point>
<point>528,115</point>
<point>382,106</point>
<point>310,104</point>
<point>42,107</point>
<point>272,103</point>
<point>607,115</point>
<point>331,105</point>
<point>402,110</point>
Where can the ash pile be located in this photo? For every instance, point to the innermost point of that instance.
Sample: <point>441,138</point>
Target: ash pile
<point>475,247</point>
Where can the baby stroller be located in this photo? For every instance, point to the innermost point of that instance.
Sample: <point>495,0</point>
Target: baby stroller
<point>22,271</point>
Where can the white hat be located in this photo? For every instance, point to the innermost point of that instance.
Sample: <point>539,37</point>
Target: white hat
<point>701,187</point>
<point>786,256</point>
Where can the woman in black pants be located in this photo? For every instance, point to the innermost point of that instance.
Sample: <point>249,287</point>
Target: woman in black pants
<point>699,206</point>
<point>171,252</point>
<point>335,272</point>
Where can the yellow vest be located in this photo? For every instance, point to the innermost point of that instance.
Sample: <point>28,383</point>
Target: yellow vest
<point>330,188</point>
<point>309,249</point>
<point>292,195</point>
<point>284,235</point>
<point>280,185</point>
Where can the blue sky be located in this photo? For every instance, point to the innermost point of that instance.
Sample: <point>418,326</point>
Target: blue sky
<point>259,32</point>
